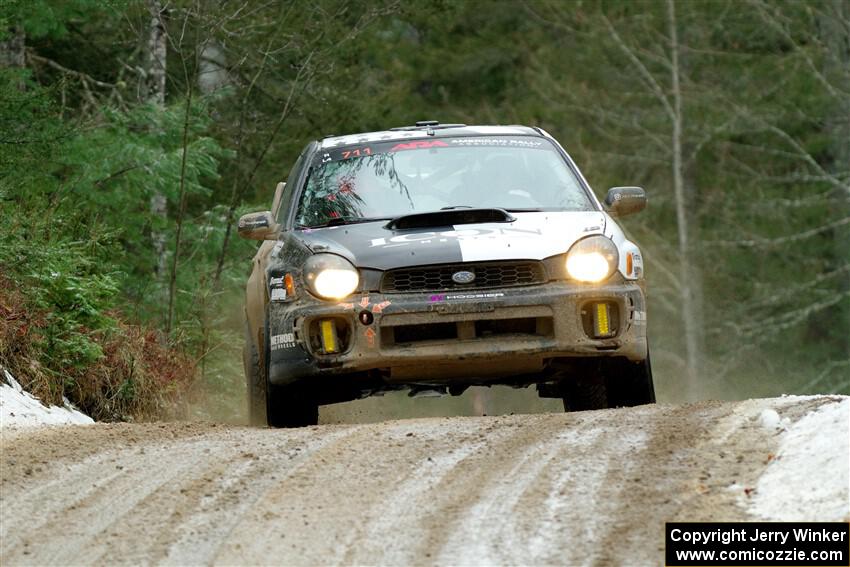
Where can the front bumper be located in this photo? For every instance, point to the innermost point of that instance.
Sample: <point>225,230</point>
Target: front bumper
<point>475,335</point>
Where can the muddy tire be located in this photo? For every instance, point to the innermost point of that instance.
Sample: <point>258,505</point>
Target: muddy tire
<point>585,393</point>
<point>255,382</point>
<point>616,383</point>
<point>291,406</point>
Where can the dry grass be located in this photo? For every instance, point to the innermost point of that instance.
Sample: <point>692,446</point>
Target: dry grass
<point>138,377</point>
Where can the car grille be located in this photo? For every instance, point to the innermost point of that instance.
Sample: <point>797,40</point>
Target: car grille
<point>487,275</point>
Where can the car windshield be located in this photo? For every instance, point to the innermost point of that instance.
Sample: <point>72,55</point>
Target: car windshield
<point>390,179</point>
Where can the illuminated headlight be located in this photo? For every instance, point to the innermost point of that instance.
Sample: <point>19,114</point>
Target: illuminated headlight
<point>330,277</point>
<point>592,259</point>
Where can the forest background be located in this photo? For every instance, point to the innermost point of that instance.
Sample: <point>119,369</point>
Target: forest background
<point>133,133</point>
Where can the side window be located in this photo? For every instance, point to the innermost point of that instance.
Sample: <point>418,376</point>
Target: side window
<point>291,186</point>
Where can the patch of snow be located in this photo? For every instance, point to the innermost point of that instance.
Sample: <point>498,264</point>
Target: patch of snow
<point>809,480</point>
<point>21,409</point>
<point>770,419</point>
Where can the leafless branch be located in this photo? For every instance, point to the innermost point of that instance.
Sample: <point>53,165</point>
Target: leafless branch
<point>768,242</point>
<point>84,77</point>
<point>644,73</point>
<point>826,373</point>
<point>769,16</point>
<point>789,292</point>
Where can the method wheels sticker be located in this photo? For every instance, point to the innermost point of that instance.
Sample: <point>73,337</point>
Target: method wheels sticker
<point>284,341</point>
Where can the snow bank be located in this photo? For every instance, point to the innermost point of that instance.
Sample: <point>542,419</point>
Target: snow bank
<point>20,409</point>
<point>809,480</point>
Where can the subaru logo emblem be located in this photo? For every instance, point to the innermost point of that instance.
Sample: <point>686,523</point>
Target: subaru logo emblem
<point>463,277</point>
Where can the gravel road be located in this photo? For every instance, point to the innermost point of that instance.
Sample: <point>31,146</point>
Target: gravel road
<point>578,489</point>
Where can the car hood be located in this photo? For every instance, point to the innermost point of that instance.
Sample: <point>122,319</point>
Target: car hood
<point>532,236</point>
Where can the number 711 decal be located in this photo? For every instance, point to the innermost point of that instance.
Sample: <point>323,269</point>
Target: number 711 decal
<point>356,153</point>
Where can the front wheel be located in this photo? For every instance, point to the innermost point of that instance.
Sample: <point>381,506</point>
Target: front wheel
<point>613,383</point>
<point>586,392</point>
<point>255,382</point>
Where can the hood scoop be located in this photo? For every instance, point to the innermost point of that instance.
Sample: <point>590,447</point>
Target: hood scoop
<point>449,218</point>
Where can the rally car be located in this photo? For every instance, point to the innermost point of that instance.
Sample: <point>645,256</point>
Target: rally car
<point>438,256</point>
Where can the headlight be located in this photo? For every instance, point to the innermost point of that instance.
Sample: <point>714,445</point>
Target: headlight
<point>592,259</point>
<point>330,277</point>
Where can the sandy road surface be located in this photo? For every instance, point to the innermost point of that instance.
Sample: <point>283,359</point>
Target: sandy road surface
<point>587,488</point>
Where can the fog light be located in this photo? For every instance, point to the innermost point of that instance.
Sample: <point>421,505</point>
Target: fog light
<point>329,339</point>
<point>601,328</point>
<point>600,319</point>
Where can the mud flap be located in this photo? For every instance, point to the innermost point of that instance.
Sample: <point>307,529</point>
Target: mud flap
<point>631,385</point>
<point>291,406</point>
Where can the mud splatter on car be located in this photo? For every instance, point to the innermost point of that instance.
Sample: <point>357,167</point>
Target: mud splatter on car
<point>439,256</point>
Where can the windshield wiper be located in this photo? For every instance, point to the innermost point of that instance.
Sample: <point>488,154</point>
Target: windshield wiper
<point>339,221</point>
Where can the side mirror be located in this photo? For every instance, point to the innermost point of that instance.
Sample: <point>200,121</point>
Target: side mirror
<point>622,201</point>
<point>257,226</point>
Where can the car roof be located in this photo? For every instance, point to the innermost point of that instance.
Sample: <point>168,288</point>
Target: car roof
<point>429,130</point>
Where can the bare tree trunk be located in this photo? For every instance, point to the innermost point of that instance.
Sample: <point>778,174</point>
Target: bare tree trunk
<point>835,32</point>
<point>181,213</point>
<point>212,68</point>
<point>689,288</point>
<point>155,67</point>
<point>480,401</point>
<point>12,49</point>
<point>156,54</point>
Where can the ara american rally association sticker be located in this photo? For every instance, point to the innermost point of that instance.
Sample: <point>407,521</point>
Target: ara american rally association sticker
<point>373,149</point>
